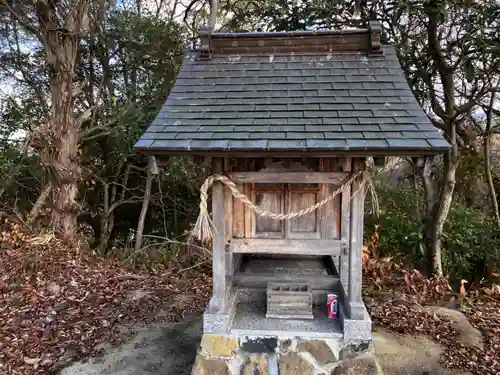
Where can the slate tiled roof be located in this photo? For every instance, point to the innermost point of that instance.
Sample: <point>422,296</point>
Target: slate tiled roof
<point>267,93</point>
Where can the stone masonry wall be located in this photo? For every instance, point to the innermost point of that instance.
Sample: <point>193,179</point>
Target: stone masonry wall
<point>230,355</point>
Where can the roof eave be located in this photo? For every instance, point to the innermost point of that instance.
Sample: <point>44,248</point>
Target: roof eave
<point>402,152</point>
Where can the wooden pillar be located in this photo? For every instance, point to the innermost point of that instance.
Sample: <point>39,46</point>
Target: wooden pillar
<point>345,232</point>
<point>218,242</point>
<point>228,221</point>
<point>356,245</point>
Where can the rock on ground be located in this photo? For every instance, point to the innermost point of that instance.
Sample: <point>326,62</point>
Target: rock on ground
<point>468,334</point>
<point>407,355</point>
<point>169,349</point>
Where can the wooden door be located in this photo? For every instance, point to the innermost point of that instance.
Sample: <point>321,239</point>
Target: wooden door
<point>300,197</point>
<point>286,198</point>
<point>269,197</point>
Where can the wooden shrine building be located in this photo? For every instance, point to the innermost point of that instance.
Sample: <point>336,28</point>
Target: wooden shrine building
<point>289,117</point>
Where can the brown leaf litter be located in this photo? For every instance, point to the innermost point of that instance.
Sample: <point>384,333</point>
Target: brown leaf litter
<point>397,293</point>
<point>60,303</point>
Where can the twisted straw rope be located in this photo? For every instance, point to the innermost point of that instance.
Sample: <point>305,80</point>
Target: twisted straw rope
<point>204,227</point>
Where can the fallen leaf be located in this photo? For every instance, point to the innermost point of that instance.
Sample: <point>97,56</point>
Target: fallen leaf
<point>32,361</point>
<point>462,288</point>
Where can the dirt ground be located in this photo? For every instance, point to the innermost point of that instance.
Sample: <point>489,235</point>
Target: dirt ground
<point>171,348</point>
<point>167,349</point>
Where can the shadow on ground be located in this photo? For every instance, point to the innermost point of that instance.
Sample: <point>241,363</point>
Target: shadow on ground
<point>169,349</point>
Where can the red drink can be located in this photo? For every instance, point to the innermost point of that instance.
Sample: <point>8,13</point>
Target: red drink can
<point>331,303</point>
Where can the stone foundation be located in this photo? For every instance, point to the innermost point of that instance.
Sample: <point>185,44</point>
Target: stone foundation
<point>232,355</point>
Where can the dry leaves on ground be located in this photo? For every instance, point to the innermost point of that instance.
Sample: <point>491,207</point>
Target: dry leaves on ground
<point>396,293</point>
<point>60,303</point>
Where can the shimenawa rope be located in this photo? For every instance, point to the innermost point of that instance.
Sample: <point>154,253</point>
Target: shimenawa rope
<point>204,227</point>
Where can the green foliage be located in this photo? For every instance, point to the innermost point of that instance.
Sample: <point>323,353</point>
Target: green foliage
<point>470,175</point>
<point>471,242</point>
<point>470,239</point>
<point>399,227</point>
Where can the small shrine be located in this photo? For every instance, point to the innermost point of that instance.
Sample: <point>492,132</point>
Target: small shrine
<point>289,120</point>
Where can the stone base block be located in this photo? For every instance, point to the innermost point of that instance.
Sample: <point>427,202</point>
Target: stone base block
<point>366,365</point>
<point>295,364</point>
<point>319,350</point>
<point>264,355</point>
<point>210,366</point>
<point>256,364</point>
<point>217,323</point>
<point>219,345</point>
<point>358,329</point>
<point>220,321</point>
<point>355,350</point>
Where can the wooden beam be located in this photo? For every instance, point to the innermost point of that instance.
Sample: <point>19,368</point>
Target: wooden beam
<point>324,282</point>
<point>335,178</point>
<point>280,246</point>
<point>217,304</point>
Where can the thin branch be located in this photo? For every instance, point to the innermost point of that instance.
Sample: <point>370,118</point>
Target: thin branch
<point>18,18</point>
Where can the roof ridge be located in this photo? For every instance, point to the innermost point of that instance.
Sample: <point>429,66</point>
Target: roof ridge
<point>364,38</point>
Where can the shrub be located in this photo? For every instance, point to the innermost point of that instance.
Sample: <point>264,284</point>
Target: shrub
<point>470,239</point>
<point>399,227</point>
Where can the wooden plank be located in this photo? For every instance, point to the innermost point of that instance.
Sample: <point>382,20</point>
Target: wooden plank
<point>337,215</point>
<point>307,226</point>
<point>321,282</point>
<point>285,246</point>
<point>272,201</point>
<point>289,177</point>
<point>325,212</point>
<point>239,215</point>
<point>249,229</point>
<point>228,214</point>
<point>346,164</point>
<point>218,243</point>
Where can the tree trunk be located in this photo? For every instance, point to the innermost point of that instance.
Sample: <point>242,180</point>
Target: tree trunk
<point>442,208</point>
<point>107,221</point>
<point>444,195</point>
<point>487,159</point>
<point>144,211</point>
<point>489,178</point>
<point>437,204</point>
<point>60,154</point>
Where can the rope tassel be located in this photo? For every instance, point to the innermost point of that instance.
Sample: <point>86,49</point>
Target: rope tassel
<point>204,228</point>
